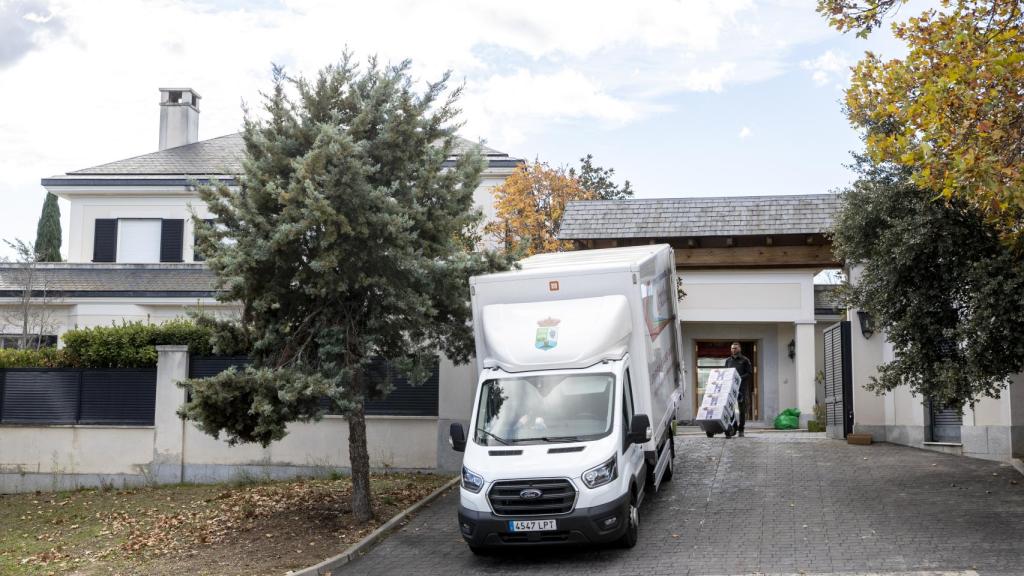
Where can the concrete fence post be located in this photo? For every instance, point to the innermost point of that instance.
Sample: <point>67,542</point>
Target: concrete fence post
<point>169,434</point>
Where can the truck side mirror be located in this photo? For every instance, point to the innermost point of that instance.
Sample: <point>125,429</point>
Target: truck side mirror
<point>457,437</point>
<point>639,429</point>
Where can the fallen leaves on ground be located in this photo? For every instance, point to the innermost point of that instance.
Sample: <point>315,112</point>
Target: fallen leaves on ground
<point>295,519</point>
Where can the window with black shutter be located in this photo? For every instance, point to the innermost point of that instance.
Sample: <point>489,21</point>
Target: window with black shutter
<point>172,238</point>
<point>104,245</point>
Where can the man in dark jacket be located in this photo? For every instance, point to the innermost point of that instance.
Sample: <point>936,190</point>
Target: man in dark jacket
<point>742,365</point>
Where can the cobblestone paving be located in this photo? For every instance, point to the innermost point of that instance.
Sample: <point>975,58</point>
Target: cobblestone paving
<point>772,504</point>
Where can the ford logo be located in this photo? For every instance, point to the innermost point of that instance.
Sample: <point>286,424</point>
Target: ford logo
<point>530,494</point>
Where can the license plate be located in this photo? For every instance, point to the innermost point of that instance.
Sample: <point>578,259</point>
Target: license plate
<point>531,525</point>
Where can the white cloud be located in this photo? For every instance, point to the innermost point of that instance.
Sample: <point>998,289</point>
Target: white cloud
<point>744,133</point>
<point>505,107</point>
<point>828,68</point>
<point>25,25</point>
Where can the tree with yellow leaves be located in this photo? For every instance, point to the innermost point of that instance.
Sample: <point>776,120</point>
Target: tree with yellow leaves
<point>952,109</point>
<point>529,206</point>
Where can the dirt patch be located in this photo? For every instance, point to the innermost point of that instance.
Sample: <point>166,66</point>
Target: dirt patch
<point>262,528</point>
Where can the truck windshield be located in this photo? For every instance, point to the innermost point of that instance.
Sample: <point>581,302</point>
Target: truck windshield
<point>545,409</point>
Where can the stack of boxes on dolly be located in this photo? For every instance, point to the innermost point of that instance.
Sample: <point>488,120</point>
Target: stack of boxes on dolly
<point>719,411</point>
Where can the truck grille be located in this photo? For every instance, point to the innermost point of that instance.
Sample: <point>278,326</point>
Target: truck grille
<point>557,496</point>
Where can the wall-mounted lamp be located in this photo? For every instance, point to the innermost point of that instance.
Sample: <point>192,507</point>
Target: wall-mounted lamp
<point>792,349</point>
<point>867,323</point>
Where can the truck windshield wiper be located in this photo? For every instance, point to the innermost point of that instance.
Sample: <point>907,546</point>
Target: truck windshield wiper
<point>495,436</point>
<point>560,438</point>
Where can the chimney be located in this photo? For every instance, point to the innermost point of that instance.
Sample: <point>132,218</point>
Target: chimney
<point>179,117</point>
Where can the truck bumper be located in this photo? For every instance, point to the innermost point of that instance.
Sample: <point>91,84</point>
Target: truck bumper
<point>581,526</point>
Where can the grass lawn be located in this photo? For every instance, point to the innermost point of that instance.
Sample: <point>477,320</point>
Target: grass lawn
<point>251,528</point>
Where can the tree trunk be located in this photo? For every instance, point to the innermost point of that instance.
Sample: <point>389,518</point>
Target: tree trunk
<point>360,459</point>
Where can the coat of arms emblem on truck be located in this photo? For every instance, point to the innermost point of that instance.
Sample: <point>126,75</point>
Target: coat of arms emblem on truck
<point>547,333</point>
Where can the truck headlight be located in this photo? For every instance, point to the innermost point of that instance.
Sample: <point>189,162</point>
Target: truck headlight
<point>471,480</point>
<point>603,474</point>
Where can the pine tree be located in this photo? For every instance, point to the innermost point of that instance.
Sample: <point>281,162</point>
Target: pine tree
<point>599,181</point>
<point>345,242</point>
<point>48,232</point>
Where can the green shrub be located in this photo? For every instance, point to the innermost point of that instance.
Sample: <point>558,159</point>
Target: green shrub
<point>815,426</point>
<point>131,344</point>
<point>819,412</point>
<point>42,358</point>
<point>128,345</point>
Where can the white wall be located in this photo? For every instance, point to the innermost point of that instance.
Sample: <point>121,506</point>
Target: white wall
<point>159,203</point>
<point>67,457</point>
<point>75,449</point>
<point>747,296</point>
<point>89,204</point>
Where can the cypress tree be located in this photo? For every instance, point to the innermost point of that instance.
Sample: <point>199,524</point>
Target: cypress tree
<point>48,232</point>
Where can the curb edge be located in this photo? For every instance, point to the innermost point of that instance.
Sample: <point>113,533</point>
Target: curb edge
<point>325,567</point>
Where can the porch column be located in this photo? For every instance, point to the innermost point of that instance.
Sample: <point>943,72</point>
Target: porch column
<point>805,395</point>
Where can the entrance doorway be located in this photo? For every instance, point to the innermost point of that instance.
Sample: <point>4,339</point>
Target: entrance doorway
<point>711,354</point>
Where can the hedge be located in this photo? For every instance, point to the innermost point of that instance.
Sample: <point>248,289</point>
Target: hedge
<point>42,358</point>
<point>129,345</point>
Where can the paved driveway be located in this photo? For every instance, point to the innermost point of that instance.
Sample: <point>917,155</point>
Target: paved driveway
<point>775,504</point>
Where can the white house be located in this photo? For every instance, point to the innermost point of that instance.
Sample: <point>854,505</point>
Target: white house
<point>747,267</point>
<point>130,248</point>
<point>131,257</point>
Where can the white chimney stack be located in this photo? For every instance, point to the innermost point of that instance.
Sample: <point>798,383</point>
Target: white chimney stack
<point>179,117</point>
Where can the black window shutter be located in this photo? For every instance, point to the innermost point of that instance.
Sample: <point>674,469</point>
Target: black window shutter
<point>104,244</point>
<point>172,236</point>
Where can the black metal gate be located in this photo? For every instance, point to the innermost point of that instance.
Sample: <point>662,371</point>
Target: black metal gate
<point>946,423</point>
<point>102,396</point>
<point>838,381</point>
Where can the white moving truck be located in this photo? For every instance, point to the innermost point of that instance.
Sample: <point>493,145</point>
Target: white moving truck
<point>580,373</point>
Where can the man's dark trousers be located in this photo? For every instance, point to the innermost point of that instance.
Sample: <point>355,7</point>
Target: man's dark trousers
<point>745,371</point>
<point>743,412</point>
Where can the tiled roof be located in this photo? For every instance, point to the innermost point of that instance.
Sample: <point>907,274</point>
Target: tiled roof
<point>129,280</point>
<point>218,157</point>
<point>680,217</point>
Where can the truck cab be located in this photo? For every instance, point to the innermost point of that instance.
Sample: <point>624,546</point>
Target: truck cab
<point>554,457</point>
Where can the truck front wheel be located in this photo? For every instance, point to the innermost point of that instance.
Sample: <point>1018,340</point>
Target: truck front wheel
<point>629,538</point>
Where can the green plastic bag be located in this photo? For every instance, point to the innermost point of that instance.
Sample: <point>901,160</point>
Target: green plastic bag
<point>788,419</point>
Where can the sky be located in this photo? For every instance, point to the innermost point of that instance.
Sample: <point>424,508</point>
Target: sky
<point>683,97</point>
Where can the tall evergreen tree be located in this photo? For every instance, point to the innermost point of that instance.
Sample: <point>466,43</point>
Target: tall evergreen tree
<point>345,242</point>
<point>48,232</point>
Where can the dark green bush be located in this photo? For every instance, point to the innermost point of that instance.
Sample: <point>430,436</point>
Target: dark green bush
<point>128,345</point>
<point>131,344</point>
